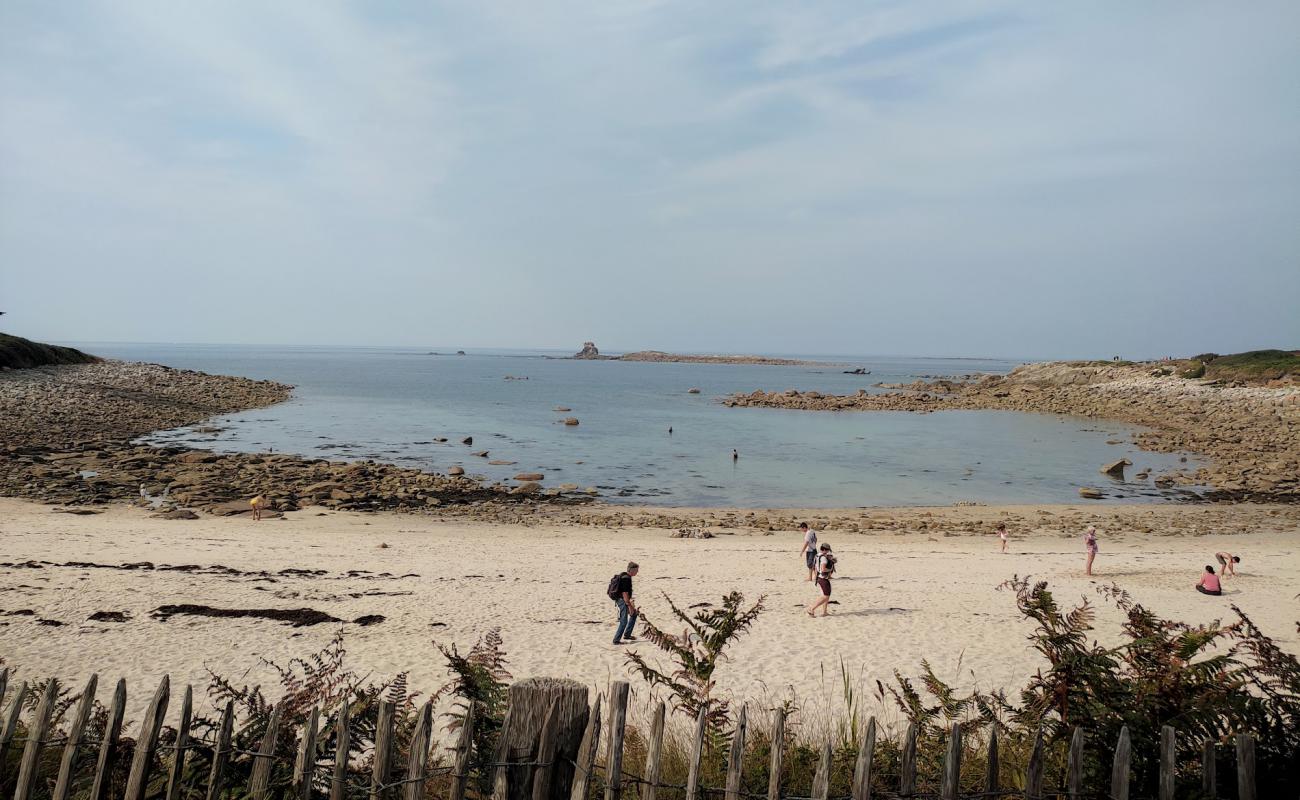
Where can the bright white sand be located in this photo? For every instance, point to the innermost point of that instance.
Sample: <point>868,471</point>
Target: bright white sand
<point>902,597</point>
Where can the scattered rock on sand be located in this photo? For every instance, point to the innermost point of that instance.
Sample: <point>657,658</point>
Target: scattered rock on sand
<point>530,487</point>
<point>176,513</point>
<point>108,616</point>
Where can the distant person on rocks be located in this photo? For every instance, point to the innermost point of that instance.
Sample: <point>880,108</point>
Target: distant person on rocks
<point>258,503</point>
<point>620,591</point>
<point>1209,583</point>
<point>735,456</point>
<point>1090,544</point>
<point>825,567</point>
<point>809,550</point>
<point>1002,535</point>
<point>1228,563</point>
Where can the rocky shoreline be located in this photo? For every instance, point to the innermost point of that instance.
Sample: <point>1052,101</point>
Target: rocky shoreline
<point>1250,434</point>
<point>66,438</point>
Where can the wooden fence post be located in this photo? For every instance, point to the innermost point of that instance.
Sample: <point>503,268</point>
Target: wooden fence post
<point>1209,780</point>
<point>528,703</point>
<point>342,745</point>
<point>585,763</point>
<point>4,681</point>
<point>11,725</point>
<point>907,764</point>
<point>736,755</point>
<point>221,753</point>
<point>464,748</point>
<point>778,752</point>
<point>36,732</point>
<point>654,753</point>
<point>182,743</point>
<point>697,754</point>
<point>821,785</point>
<point>259,781</point>
<point>415,760</point>
<point>991,778</point>
<point>861,789</point>
<point>108,745</point>
<point>146,745</point>
<point>304,769</point>
<point>383,750</point>
<point>71,750</point>
<point>1167,745</point>
<point>952,766</point>
<point>618,692</point>
<point>1119,771</point>
<point>547,746</point>
<point>1074,776</point>
<point>1034,772</point>
<point>1245,766</point>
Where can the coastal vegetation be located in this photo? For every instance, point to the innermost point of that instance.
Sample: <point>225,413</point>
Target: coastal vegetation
<point>19,353</point>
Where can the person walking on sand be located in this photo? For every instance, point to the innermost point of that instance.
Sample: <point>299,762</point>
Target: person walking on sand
<point>825,569</point>
<point>1228,563</point>
<point>258,503</point>
<point>1002,534</point>
<point>1090,544</point>
<point>809,550</point>
<point>1209,582</point>
<point>620,591</point>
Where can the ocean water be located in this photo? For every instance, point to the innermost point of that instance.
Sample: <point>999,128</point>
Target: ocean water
<point>389,404</point>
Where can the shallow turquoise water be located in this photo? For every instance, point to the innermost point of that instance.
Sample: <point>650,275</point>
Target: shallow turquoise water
<point>389,404</point>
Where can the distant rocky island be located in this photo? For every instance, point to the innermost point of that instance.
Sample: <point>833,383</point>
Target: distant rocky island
<point>589,352</point>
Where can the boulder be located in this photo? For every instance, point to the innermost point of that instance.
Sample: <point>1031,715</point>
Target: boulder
<point>693,390</point>
<point>561,409</point>
<point>502,463</point>
<point>570,420</point>
<point>1089,493</point>
<point>480,453</point>
<point>454,471</point>
<point>588,351</point>
<point>531,487</point>
<point>1116,468</point>
<point>530,476</point>
<point>467,440</point>
<point>177,513</point>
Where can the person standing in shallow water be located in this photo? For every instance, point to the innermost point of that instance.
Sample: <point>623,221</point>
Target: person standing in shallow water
<point>627,610</point>
<point>1090,544</point>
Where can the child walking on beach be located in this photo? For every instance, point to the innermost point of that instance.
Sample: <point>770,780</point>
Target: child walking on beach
<point>1002,535</point>
<point>1090,544</point>
<point>825,568</point>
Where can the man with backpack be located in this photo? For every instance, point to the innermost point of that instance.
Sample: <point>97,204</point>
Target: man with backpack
<point>620,591</point>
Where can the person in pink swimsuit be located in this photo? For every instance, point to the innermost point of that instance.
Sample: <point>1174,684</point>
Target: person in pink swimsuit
<point>1209,583</point>
<point>1090,543</point>
<point>1002,534</point>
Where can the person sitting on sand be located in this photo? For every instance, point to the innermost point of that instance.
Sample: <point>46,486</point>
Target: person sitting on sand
<point>1002,534</point>
<point>809,550</point>
<point>1090,543</point>
<point>1227,562</point>
<point>258,503</point>
<point>825,569</point>
<point>1209,583</point>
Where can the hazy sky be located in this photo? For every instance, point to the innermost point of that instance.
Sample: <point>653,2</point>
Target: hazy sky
<point>1030,179</point>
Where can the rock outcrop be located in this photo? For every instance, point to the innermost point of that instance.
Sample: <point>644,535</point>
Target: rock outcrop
<point>588,351</point>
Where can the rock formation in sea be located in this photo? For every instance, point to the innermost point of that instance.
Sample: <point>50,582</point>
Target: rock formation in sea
<point>588,351</point>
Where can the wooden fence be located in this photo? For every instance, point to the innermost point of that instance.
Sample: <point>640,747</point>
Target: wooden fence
<point>547,750</point>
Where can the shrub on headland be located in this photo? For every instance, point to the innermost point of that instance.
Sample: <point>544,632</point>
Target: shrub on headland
<point>19,353</point>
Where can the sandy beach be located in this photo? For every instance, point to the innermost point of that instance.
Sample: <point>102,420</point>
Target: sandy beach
<point>918,590</point>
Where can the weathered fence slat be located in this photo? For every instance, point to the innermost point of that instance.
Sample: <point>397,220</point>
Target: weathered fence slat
<point>1034,771</point>
<point>342,744</point>
<point>861,789</point>
<point>465,747</point>
<point>1119,771</point>
<point>548,741</point>
<point>736,755</point>
<point>618,692</point>
<point>697,754</point>
<point>1074,773</point>
<point>36,732</point>
<point>907,764</point>
<point>654,754</point>
<point>221,753</point>
<point>1209,780</point>
<point>383,750</point>
<point>416,759</point>
<point>952,766</point>
<point>71,750</point>
<point>108,745</point>
<point>260,781</point>
<point>821,785</point>
<point>1168,740</point>
<point>304,768</point>
<point>4,681</point>
<point>1245,766</point>
<point>182,743</point>
<point>146,745</point>
<point>11,725</point>
<point>991,777</point>
<point>778,752</point>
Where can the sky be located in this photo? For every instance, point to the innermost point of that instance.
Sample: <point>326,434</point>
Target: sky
<point>1029,180</point>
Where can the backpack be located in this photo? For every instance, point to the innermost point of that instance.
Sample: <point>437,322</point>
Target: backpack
<point>612,591</point>
<point>828,564</point>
